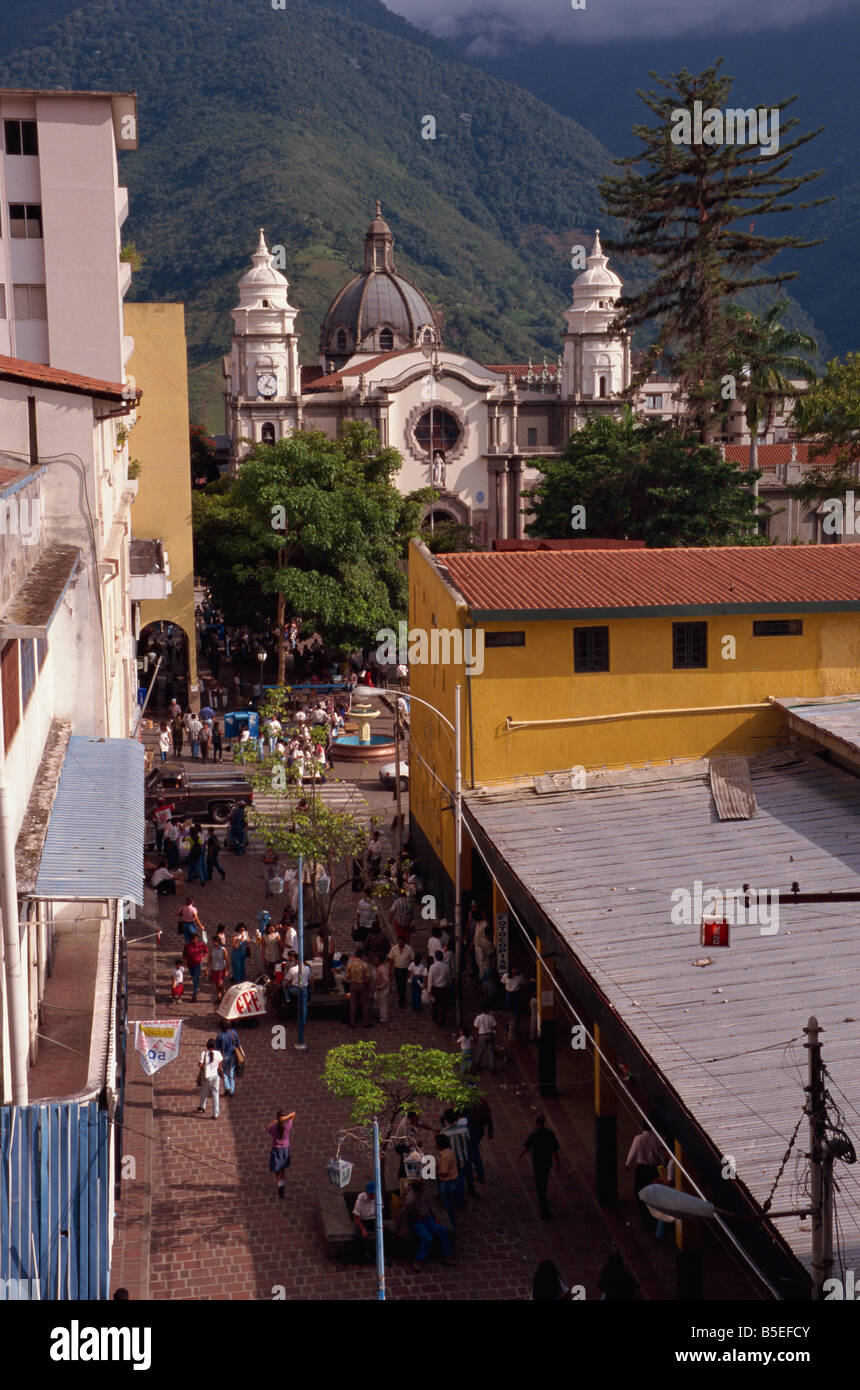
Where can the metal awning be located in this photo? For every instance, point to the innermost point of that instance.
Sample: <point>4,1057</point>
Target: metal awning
<point>94,845</point>
<point>833,722</point>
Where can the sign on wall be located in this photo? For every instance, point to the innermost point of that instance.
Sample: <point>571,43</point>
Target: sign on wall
<point>502,942</point>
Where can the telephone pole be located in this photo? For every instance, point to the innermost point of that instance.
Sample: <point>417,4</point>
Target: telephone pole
<point>821,1164</point>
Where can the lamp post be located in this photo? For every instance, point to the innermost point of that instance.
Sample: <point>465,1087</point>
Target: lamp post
<point>366,692</point>
<point>300,1045</point>
<point>380,1250</point>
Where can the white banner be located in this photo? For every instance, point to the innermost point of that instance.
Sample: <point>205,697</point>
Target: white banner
<point>502,942</point>
<point>157,1043</point>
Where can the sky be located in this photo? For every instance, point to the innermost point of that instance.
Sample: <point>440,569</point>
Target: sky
<point>490,24</point>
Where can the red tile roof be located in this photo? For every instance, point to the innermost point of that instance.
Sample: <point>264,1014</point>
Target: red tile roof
<point>334,380</point>
<point>519,370</point>
<point>740,577</point>
<point>577,543</point>
<point>36,374</point>
<point>771,456</point>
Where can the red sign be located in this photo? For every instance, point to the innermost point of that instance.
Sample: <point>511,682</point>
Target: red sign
<point>714,933</point>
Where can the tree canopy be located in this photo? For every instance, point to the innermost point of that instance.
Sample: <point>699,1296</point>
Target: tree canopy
<point>642,481</point>
<point>386,1083</point>
<point>829,413</point>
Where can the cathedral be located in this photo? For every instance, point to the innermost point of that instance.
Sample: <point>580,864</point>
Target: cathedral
<point>474,431</point>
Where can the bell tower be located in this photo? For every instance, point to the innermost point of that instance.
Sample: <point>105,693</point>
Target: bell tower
<point>262,396</point>
<point>596,362</point>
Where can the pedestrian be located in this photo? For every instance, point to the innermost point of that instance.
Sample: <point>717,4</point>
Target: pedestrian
<point>178,735</point>
<point>485,1032</point>
<point>292,985</point>
<point>213,849</point>
<point>194,956</point>
<point>195,727</point>
<point>177,984</point>
<point>217,743</point>
<point>172,837</point>
<point>417,973</point>
<point>480,1124</point>
<point>271,949</point>
<point>544,1149</point>
<point>548,1285</point>
<point>226,1043</point>
<point>439,986</point>
<point>456,1127</point>
<point>164,741</point>
<point>374,855</point>
<point>417,1213</point>
<point>615,1282</point>
<point>218,964</point>
<point>446,1175</point>
<point>464,1046</point>
<point>280,1131</point>
<point>358,975</point>
<point>162,879</point>
<point>400,915</point>
<point>404,1136</point>
<point>189,920</point>
<point>376,944</point>
<point>401,957</point>
<point>364,1216</point>
<point>514,982</point>
<point>209,1077</point>
<point>162,815</point>
<point>239,954</point>
<point>205,739</point>
<point>382,984</point>
<point>196,867</point>
<point>173,709</point>
<point>647,1152</point>
<point>364,915</point>
<point>238,830</point>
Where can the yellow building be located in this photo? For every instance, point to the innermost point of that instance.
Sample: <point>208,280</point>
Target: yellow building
<point>162,508</point>
<point>589,658</point>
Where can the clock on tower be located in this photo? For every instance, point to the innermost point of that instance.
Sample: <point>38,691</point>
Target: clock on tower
<point>267,384</point>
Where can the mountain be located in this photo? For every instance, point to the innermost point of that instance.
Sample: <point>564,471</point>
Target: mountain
<point>297,120</point>
<point>596,84</point>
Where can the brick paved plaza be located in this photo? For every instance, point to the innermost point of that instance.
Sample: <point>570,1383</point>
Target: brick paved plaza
<point>200,1218</point>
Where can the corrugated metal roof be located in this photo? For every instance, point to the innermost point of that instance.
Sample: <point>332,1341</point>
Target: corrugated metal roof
<point>832,722</point>
<point>686,579</point>
<point>603,865</point>
<point>732,788</point>
<point>94,845</point>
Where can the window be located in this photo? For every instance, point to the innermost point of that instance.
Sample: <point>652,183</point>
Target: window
<point>428,336</point>
<point>2,301</point>
<point>386,340</point>
<point>10,691</point>
<point>590,649</point>
<point>446,431</point>
<point>778,627</point>
<point>531,437</point>
<point>29,302</point>
<point>28,671</point>
<point>689,645</point>
<point>265,303</point>
<point>342,345</point>
<point>504,639</point>
<point>267,434</point>
<point>21,137</point>
<point>653,402</point>
<point>25,219</point>
<point>601,391</point>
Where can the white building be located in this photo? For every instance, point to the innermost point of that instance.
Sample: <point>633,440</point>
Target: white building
<point>382,360</point>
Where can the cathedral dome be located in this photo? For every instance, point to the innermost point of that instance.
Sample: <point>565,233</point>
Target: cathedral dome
<point>379,310</point>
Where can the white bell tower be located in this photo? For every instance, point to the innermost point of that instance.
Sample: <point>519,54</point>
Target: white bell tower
<point>596,363</point>
<point>263,391</point>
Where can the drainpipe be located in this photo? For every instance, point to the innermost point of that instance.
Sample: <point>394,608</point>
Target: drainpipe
<point>15,967</point>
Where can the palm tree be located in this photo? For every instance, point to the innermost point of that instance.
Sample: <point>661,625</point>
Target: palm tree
<point>766,359</point>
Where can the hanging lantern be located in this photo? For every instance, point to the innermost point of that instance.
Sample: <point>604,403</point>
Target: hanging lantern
<point>323,885</point>
<point>339,1172</point>
<point>412,1164</point>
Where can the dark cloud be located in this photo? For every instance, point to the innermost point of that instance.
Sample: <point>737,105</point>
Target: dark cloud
<point>489,25</point>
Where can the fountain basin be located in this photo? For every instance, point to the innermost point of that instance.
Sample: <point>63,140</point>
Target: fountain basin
<point>350,750</point>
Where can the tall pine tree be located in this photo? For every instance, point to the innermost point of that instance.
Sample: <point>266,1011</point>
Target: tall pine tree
<point>691,200</point>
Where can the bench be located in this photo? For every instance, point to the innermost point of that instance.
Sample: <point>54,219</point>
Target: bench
<point>339,1228</point>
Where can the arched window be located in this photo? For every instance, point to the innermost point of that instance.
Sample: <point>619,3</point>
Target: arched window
<point>446,431</point>
<point>386,340</point>
<point>267,434</point>
<point>265,303</point>
<point>601,386</point>
<point>342,345</point>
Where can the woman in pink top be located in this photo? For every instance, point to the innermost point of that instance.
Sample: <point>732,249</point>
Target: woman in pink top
<point>279,1158</point>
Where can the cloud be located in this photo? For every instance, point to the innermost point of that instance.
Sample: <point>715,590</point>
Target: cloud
<point>489,25</point>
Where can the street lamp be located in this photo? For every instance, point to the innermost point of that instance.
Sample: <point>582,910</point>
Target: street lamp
<point>368,692</point>
<point>301,998</point>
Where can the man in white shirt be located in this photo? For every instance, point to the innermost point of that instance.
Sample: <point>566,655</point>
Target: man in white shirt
<point>291,985</point>
<point>163,881</point>
<point>401,956</point>
<point>364,1216</point>
<point>485,1031</point>
<point>195,728</point>
<point>439,987</point>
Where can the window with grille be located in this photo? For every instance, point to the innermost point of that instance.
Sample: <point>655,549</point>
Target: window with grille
<point>590,649</point>
<point>386,340</point>
<point>689,645</point>
<point>21,137</point>
<point>10,691</point>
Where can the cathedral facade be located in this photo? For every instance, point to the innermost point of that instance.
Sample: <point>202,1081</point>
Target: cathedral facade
<point>473,431</point>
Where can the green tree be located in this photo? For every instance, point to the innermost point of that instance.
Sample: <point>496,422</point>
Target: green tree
<point>204,469</point>
<point>641,481</point>
<point>386,1084</point>
<point>765,359</point>
<point>319,528</point>
<point>829,414</point>
<point>690,201</point>
<point>448,536</point>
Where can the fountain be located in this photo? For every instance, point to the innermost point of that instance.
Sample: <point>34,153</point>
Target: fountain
<point>363,745</point>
